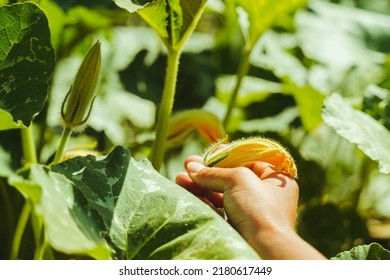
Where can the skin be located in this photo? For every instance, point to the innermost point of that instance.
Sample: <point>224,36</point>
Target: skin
<point>260,203</point>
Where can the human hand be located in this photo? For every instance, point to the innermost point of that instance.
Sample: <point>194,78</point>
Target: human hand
<point>260,203</point>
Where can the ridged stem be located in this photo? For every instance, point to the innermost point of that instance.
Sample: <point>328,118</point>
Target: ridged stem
<point>165,109</point>
<point>28,144</point>
<point>61,147</point>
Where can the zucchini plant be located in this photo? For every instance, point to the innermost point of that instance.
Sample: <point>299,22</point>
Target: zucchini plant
<point>102,189</point>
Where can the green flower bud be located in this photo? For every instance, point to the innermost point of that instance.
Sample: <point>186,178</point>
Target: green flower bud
<point>77,105</point>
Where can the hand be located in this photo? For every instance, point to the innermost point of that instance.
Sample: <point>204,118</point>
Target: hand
<point>260,203</point>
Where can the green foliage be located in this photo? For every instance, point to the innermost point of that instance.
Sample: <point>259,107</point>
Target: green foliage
<point>359,128</point>
<point>313,75</point>
<point>118,207</point>
<point>26,64</point>
<point>373,251</point>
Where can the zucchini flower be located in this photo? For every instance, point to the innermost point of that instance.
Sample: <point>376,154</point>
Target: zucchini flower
<point>77,105</point>
<point>243,151</point>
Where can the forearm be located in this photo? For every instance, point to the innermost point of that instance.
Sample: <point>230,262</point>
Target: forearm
<point>284,245</point>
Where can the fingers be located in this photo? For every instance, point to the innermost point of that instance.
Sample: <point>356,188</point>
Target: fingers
<point>266,171</point>
<point>216,199</point>
<point>219,179</point>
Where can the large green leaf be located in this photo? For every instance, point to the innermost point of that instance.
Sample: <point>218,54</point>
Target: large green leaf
<point>258,16</point>
<point>26,63</point>
<point>140,213</point>
<point>70,227</point>
<point>374,251</point>
<point>173,20</point>
<point>349,46</point>
<point>357,127</point>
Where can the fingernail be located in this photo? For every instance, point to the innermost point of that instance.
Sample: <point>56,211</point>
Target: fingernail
<point>194,166</point>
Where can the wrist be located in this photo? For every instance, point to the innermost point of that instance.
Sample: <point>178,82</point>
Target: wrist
<point>281,243</point>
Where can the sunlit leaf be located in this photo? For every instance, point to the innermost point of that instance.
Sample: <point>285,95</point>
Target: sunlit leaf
<point>133,5</point>
<point>26,63</point>
<point>272,53</point>
<point>173,20</point>
<point>126,204</point>
<point>69,226</point>
<point>374,251</point>
<point>280,123</point>
<point>252,89</point>
<point>260,15</point>
<point>349,45</point>
<point>375,199</point>
<point>342,34</point>
<point>359,128</point>
<point>309,101</point>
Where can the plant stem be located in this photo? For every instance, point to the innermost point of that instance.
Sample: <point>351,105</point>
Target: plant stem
<point>29,151</point>
<point>19,230</point>
<point>41,245</point>
<point>165,110</point>
<point>61,148</point>
<point>242,72</point>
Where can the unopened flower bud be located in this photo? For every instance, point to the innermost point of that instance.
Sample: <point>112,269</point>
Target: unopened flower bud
<point>77,105</point>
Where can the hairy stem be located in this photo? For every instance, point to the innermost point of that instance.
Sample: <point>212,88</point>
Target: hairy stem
<point>242,72</point>
<point>61,148</point>
<point>28,144</point>
<point>165,109</point>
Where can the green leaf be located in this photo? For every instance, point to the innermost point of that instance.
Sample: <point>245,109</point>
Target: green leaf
<point>374,251</point>
<point>140,213</point>
<point>349,46</point>
<point>70,229</point>
<point>5,163</point>
<point>252,89</point>
<point>147,216</point>
<point>173,20</point>
<point>359,128</point>
<point>273,53</point>
<point>309,101</point>
<point>26,63</point>
<point>346,36</point>
<point>258,16</point>
<point>133,5</point>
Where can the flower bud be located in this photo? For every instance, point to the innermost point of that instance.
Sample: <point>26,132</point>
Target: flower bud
<point>77,105</point>
<point>244,151</point>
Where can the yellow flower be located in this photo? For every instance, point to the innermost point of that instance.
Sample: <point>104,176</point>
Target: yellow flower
<point>182,124</point>
<point>243,151</point>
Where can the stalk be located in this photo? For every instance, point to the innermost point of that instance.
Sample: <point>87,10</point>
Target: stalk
<point>41,245</point>
<point>165,110</point>
<point>61,148</point>
<point>28,144</point>
<point>20,227</point>
<point>242,72</point>
<point>30,156</point>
